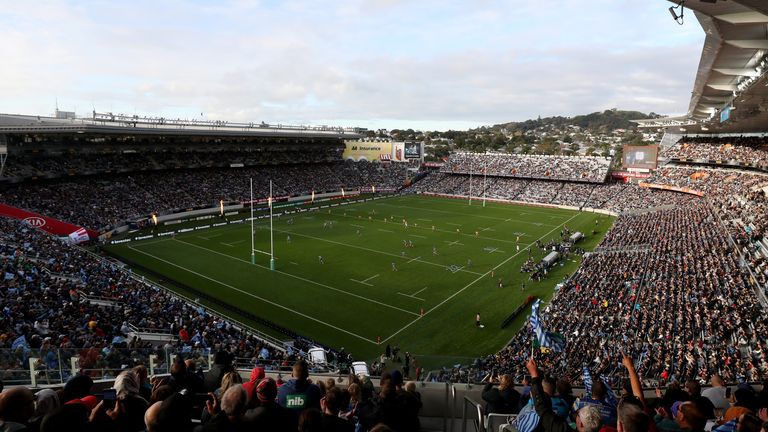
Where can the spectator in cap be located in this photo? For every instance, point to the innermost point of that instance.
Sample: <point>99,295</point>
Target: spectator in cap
<point>269,415</point>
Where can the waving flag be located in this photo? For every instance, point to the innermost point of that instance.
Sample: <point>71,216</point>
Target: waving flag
<point>545,339</point>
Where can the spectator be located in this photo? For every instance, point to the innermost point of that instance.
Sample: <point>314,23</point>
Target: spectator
<point>269,415</point>
<point>298,393</point>
<point>503,399</point>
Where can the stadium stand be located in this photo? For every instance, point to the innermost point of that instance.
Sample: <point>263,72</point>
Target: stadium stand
<point>575,168</point>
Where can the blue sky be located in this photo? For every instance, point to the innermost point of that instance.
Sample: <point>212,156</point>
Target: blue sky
<point>371,63</point>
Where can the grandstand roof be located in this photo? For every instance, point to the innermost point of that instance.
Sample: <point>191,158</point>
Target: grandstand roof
<point>732,69</point>
<point>119,124</point>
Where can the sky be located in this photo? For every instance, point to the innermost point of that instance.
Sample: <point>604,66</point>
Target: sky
<point>426,65</point>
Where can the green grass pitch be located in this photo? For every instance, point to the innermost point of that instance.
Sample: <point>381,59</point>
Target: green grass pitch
<point>370,286</point>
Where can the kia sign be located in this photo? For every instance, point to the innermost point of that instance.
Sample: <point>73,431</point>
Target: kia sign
<point>35,221</point>
<point>45,223</point>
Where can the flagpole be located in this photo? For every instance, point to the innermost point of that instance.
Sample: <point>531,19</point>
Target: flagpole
<point>271,234</point>
<point>253,246</point>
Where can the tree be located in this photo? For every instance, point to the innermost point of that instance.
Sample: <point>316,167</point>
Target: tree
<point>548,146</point>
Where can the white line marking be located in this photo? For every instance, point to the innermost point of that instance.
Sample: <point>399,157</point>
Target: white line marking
<point>474,282</point>
<point>417,236</point>
<point>357,226</point>
<point>257,297</point>
<point>425,220</point>
<point>419,291</point>
<point>294,263</point>
<point>361,282</point>
<point>362,248</point>
<point>411,296</point>
<point>413,259</point>
<point>303,279</point>
<point>462,213</point>
<point>453,243</point>
<point>383,230</point>
<point>372,277</point>
<point>451,223</point>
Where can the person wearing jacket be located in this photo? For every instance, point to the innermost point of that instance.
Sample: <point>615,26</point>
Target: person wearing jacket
<point>298,393</point>
<point>587,418</point>
<point>503,399</point>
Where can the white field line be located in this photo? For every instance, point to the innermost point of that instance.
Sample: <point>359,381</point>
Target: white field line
<point>357,226</point>
<point>413,259</point>
<point>453,243</point>
<point>417,236</point>
<point>474,282</point>
<point>419,291</point>
<point>303,279</point>
<point>361,282</point>
<point>411,296</point>
<point>386,231</point>
<point>425,228</point>
<point>454,213</point>
<point>363,248</point>
<point>372,277</point>
<point>451,223</point>
<point>425,220</point>
<point>257,297</point>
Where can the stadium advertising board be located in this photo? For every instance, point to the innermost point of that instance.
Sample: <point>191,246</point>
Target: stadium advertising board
<point>54,226</point>
<point>671,188</point>
<point>370,151</point>
<point>640,156</point>
<point>398,152</point>
<point>412,150</point>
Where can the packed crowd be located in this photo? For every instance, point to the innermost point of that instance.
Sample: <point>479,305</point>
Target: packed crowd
<point>218,400</point>
<point>744,150</point>
<point>668,291</point>
<point>574,168</point>
<point>47,313</point>
<point>617,198</point>
<point>65,162</point>
<point>105,201</point>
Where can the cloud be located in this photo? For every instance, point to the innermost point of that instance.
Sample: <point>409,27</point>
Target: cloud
<point>365,62</point>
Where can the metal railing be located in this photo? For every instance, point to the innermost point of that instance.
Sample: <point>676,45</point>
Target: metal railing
<point>53,366</point>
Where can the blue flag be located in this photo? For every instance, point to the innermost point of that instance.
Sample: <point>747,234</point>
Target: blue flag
<point>545,339</point>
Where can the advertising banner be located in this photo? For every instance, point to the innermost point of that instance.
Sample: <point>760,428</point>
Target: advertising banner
<point>369,151</point>
<point>671,188</point>
<point>54,226</point>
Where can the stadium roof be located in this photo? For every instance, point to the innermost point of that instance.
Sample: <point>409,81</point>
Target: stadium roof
<point>109,123</point>
<point>732,69</point>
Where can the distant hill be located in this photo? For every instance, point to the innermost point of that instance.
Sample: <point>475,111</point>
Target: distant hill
<point>595,122</point>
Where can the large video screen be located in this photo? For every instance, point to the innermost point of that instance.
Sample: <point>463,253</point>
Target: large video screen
<point>412,150</point>
<point>643,157</point>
